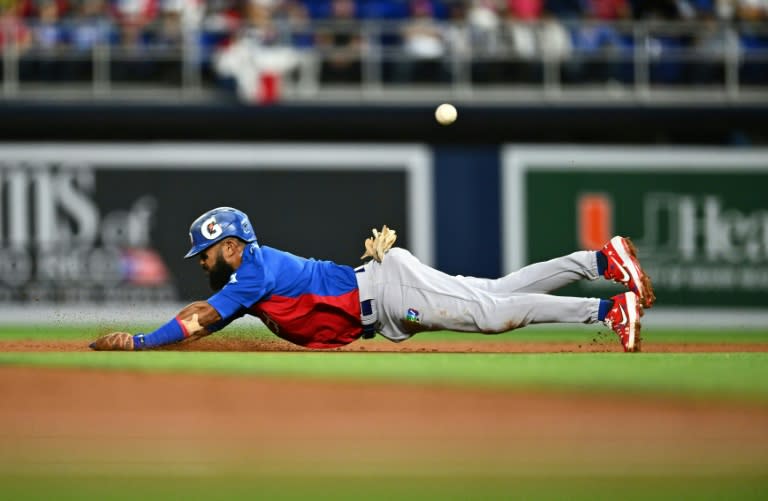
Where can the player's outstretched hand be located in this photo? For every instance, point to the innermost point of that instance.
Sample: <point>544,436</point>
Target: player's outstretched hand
<point>379,244</point>
<point>114,341</point>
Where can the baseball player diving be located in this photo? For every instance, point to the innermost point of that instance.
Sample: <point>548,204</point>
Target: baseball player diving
<point>321,304</point>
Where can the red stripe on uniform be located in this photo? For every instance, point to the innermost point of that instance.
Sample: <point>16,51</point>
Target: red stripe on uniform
<point>183,327</point>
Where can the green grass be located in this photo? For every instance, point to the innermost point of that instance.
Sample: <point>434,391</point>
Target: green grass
<point>694,375</point>
<point>726,375</point>
<point>579,334</point>
<point>388,486</point>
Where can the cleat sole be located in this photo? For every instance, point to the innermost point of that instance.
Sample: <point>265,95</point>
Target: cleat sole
<point>648,297</point>
<point>638,338</point>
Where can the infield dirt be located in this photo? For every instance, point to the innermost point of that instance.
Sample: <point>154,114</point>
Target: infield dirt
<point>111,421</point>
<point>118,422</point>
<point>415,345</point>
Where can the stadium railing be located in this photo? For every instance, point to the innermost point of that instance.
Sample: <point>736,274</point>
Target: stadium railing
<point>373,61</point>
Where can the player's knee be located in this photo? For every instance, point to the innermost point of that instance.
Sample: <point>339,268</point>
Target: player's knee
<point>499,325</point>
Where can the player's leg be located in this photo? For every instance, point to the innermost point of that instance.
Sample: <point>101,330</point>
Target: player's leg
<point>543,277</point>
<point>414,297</point>
<point>616,261</point>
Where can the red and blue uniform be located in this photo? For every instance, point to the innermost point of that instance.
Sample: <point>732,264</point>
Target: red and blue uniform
<point>310,303</point>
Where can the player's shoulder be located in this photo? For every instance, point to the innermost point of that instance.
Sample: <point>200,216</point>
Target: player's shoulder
<point>253,257</point>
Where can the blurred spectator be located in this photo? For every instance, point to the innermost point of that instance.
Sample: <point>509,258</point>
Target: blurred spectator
<point>484,18</point>
<point>500,40</point>
<point>485,21</point>
<point>753,40</point>
<point>173,27</point>
<point>521,30</point>
<point>130,61</point>
<point>526,10</point>
<point>293,17</point>
<point>170,27</point>
<point>753,10</point>
<point>709,48</point>
<point>554,39</point>
<point>257,59</point>
<point>222,20</point>
<point>597,51</point>
<point>536,36</point>
<point>341,44</point>
<point>457,33</point>
<point>90,25</point>
<point>42,61</point>
<point>47,31</point>
<point>12,28</point>
<point>664,45</point>
<point>423,46</point>
<point>137,13</point>
<point>666,65</point>
<point>608,10</point>
<point>30,9</point>
<point>189,12</point>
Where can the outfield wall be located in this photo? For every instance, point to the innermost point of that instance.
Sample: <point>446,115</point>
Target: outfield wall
<point>103,223</point>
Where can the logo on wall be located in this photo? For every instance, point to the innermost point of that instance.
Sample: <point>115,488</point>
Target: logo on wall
<point>688,241</point>
<point>595,219</point>
<point>57,244</point>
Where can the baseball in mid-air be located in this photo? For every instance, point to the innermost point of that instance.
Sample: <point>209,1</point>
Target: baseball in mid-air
<point>446,114</point>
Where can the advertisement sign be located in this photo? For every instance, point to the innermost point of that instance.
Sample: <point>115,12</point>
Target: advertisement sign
<point>699,217</point>
<point>108,223</point>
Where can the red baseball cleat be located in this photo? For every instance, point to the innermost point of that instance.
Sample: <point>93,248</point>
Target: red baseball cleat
<point>624,268</point>
<point>624,319</point>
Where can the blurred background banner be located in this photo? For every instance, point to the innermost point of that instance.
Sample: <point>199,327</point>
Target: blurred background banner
<point>96,223</point>
<point>699,216</point>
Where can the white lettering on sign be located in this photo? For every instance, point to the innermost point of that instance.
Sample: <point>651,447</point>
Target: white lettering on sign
<point>702,227</point>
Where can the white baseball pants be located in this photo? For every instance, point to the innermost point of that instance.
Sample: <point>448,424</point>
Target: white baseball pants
<point>412,297</point>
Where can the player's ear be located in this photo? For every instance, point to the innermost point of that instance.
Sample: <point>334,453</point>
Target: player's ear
<point>227,245</point>
<point>231,245</point>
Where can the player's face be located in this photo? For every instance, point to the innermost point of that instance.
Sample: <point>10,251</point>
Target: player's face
<point>218,269</point>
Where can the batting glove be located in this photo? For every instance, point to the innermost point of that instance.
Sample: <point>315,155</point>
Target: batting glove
<point>379,244</point>
<point>114,341</point>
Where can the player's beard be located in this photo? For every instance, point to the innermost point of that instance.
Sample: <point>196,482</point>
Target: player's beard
<point>219,273</point>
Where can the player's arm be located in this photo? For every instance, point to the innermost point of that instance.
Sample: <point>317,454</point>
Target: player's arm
<point>194,321</point>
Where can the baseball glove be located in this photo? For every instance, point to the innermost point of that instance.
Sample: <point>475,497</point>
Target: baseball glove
<point>114,341</point>
<point>378,245</point>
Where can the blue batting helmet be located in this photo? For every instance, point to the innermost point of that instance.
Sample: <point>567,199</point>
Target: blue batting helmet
<point>216,225</point>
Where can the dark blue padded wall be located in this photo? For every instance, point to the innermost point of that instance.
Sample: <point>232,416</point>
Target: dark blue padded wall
<point>467,210</point>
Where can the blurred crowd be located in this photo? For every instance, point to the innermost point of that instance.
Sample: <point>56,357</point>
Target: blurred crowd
<point>240,39</point>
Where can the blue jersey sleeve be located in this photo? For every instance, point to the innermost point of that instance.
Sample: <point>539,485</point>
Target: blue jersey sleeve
<point>249,284</point>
